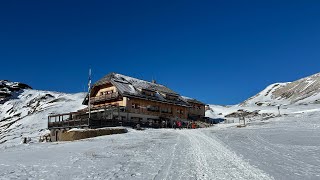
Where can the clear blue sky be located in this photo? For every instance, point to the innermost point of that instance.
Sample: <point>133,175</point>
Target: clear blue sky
<point>220,52</point>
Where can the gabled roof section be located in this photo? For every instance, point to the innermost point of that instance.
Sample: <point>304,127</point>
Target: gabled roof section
<point>131,87</point>
<point>192,100</point>
<point>138,83</point>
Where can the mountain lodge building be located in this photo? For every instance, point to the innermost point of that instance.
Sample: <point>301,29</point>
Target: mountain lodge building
<point>117,99</point>
<point>143,100</point>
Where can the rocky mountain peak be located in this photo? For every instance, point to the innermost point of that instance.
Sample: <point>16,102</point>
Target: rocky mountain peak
<point>8,88</point>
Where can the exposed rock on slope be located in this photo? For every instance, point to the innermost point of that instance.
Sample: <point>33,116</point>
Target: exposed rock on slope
<point>8,89</point>
<point>23,112</point>
<point>306,90</point>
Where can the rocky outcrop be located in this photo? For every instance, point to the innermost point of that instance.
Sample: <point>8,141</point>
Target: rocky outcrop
<point>9,89</point>
<point>248,114</point>
<point>302,91</point>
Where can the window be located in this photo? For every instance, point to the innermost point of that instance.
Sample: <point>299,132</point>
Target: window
<point>135,106</point>
<point>136,119</point>
<point>153,108</point>
<point>179,111</point>
<point>106,92</point>
<point>166,110</point>
<point>171,97</point>
<point>196,107</point>
<point>147,92</point>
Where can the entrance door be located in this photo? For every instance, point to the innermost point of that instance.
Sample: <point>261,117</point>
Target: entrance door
<point>57,132</point>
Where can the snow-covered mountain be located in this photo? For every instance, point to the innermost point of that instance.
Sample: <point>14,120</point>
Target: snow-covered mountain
<point>302,91</point>
<point>299,96</point>
<point>9,89</point>
<point>24,111</point>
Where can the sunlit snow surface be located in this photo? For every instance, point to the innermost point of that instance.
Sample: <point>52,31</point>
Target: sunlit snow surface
<point>278,148</point>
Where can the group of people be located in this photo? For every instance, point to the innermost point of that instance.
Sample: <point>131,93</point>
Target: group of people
<point>180,125</point>
<point>165,124</point>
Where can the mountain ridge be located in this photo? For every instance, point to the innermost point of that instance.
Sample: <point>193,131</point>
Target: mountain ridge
<point>24,111</point>
<point>301,91</point>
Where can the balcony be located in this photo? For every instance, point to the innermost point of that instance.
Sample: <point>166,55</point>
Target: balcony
<point>105,97</point>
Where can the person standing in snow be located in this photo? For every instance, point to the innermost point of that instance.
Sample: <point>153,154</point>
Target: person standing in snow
<point>179,124</point>
<point>193,125</point>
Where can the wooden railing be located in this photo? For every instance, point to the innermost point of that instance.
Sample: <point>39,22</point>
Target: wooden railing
<point>104,97</point>
<point>81,119</point>
<point>68,120</point>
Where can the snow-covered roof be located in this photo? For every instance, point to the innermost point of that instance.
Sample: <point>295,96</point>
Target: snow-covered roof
<point>126,81</point>
<point>192,100</point>
<point>132,87</point>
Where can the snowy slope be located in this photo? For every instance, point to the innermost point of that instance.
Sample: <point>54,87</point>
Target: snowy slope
<point>266,97</point>
<point>280,148</point>
<point>216,111</point>
<point>302,91</point>
<point>293,97</point>
<point>24,114</point>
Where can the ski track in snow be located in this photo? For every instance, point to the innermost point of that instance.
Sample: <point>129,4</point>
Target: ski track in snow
<point>149,154</point>
<point>215,161</point>
<point>288,149</point>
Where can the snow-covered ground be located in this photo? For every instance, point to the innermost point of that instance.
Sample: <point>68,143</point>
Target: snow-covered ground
<point>150,154</point>
<point>284,147</point>
<point>278,148</point>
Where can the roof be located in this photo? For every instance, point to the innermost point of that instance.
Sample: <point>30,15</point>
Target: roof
<point>192,100</point>
<point>125,81</point>
<point>131,87</point>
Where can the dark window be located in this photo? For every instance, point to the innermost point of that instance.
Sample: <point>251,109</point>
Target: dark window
<point>179,111</point>
<point>153,108</point>
<point>147,93</point>
<point>135,106</point>
<point>166,110</point>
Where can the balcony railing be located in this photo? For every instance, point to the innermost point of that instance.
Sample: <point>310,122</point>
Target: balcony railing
<point>104,97</point>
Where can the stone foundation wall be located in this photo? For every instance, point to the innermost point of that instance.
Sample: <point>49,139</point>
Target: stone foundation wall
<point>71,135</point>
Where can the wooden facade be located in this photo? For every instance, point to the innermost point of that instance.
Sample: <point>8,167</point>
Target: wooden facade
<point>108,94</point>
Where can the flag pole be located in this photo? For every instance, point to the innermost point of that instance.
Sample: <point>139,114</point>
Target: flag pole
<point>89,92</point>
